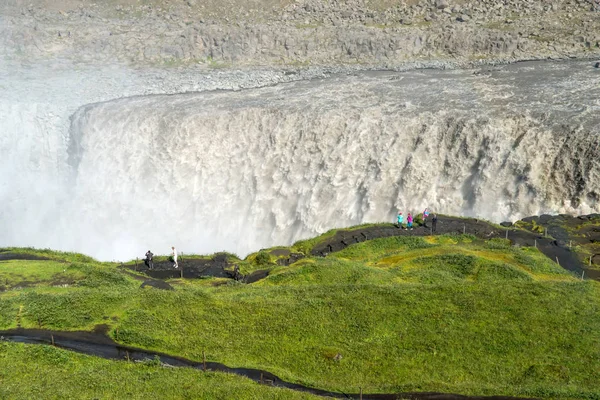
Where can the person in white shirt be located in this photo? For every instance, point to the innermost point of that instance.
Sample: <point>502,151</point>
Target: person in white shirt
<point>174,254</point>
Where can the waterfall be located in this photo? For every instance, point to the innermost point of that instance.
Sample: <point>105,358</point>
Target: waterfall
<point>245,169</point>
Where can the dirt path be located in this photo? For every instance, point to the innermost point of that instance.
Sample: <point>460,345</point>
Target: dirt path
<point>98,344</point>
<point>216,267</point>
<point>7,256</point>
<point>556,250</point>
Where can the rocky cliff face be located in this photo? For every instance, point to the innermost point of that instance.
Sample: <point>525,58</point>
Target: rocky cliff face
<point>359,32</point>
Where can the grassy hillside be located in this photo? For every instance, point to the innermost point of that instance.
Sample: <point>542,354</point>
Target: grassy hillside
<point>35,372</point>
<point>445,313</point>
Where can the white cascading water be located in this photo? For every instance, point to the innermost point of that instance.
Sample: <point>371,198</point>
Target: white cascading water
<point>241,170</point>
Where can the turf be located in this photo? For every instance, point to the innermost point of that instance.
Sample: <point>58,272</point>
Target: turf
<point>446,313</point>
<point>36,372</point>
<point>22,273</point>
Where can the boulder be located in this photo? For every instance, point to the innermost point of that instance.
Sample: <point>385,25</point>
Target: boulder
<point>442,4</point>
<point>506,224</point>
<point>560,243</point>
<point>597,65</point>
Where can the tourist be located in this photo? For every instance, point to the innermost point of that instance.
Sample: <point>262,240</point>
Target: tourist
<point>433,223</point>
<point>174,254</point>
<point>148,259</point>
<point>425,216</point>
<point>409,221</point>
<point>400,220</point>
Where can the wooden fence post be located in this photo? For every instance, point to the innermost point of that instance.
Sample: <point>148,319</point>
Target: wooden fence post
<point>52,338</point>
<point>136,264</point>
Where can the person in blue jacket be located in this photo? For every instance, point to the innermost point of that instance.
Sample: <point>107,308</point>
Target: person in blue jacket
<point>400,220</point>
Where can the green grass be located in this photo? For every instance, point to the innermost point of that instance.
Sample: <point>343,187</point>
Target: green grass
<point>374,249</point>
<point>329,271</point>
<point>470,339</point>
<point>23,273</point>
<point>449,313</point>
<point>16,274</point>
<point>306,246</point>
<point>51,254</point>
<point>36,372</point>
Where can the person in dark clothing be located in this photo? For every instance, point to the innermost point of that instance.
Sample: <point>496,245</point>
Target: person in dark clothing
<point>148,260</point>
<point>434,223</point>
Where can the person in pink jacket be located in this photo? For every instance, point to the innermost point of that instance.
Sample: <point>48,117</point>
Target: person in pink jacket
<point>409,221</point>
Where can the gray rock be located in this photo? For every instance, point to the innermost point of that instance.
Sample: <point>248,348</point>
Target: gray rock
<point>597,65</point>
<point>166,37</point>
<point>442,4</point>
<point>506,224</point>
